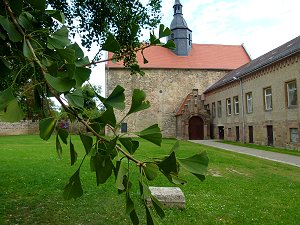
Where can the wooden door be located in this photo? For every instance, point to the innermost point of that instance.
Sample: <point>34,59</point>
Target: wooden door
<point>221,133</point>
<point>270,135</point>
<point>251,134</point>
<point>196,128</point>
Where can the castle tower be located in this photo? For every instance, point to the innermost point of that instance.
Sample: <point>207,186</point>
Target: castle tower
<point>180,33</point>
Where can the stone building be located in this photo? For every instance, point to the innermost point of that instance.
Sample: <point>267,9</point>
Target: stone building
<point>258,102</point>
<point>170,76</point>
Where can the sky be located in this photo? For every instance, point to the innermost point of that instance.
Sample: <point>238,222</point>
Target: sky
<point>261,25</point>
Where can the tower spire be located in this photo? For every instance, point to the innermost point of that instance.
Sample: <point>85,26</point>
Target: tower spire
<point>180,33</point>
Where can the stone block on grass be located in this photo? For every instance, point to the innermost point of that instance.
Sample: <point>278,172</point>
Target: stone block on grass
<point>170,197</point>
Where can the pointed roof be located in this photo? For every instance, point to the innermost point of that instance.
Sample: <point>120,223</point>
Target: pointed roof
<point>178,20</point>
<point>202,56</point>
<point>290,48</point>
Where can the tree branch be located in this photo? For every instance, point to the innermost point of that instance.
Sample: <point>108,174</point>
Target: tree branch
<point>68,109</point>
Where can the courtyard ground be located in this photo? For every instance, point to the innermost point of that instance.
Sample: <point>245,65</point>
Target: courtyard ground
<point>239,189</point>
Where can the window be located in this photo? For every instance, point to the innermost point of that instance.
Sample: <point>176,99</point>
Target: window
<point>213,109</point>
<point>294,135</point>
<point>268,98</point>
<point>291,89</point>
<point>219,107</point>
<point>249,104</point>
<point>228,104</point>
<point>236,105</point>
<point>123,127</point>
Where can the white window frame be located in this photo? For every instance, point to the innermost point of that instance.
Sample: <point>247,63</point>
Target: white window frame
<point>268,103</point>
<point>236,105</point>
<point>294,135</point>
<point>219,108</point>
<point>228,106</point>
<point>213,109</point>
<point>289,93</point>
<point>249,102</point>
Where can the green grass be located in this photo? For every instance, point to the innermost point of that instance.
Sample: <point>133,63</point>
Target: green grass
<point>239,189</point>
<point>265,148</point>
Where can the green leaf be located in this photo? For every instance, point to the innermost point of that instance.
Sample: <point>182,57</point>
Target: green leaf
<point>153,39</point>
<point>59,39</point>
<point>163,32</point>
<point>135,68</point>
<point>150,170</point>
<point>176,180</point>
<point>67,54</point>
<point>38,4</point>
<point>73,189</point>
<point>199,176</point>
<point>158,207</point>
<point>75,99</point>
<point>169,165</point>
<point>11,30</point>
<point>56,14</point>
<point>134,29</point>
<point>78,51</point>
<point>13,112</point>
<point>111,44</point>
<point>103,166</point>
<point>175,147</point>
<point>138,102</point>
<point>130,145</point>
<point>26,20</point>
<point>82,62</point>
<point>26,51</point>
<point>81,75</point>
<point>60,84</point>
<point>130,210</point>
<point>196,164</point>
<point>170,45</point>
<point>145,60</point>
<point>116,99</point>
<point>152,134</point>
<point>122,171</point>
<point>46,127</point>
<point>150,219</point>
<point>6,97</point>
<point>71,70</point>
<point>63,134</point>
<point>98,127</point>
<point>87,142</point>
<point>108,117</point>
<point>58,147</point>
<point>73,153</point>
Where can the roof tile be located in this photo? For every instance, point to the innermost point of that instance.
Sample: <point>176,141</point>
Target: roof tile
<point>202,56</point>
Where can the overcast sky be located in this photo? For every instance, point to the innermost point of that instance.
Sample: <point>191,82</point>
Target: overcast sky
<point>261,25</point>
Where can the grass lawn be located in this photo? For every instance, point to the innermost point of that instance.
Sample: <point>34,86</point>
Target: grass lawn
<point>239,189</point>
<point>265,148</point>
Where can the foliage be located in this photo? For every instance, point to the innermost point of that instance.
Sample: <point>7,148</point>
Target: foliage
<point>95,20</point>
<point>55,67</point>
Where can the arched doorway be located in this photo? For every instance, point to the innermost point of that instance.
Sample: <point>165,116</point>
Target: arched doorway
<point>196,128</point>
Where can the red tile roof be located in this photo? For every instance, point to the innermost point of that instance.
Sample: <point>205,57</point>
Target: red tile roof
<point>181,108</point>
<point>202,56</point>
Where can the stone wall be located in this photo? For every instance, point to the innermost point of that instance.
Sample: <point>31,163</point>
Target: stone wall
<point>165,89</point>
<point>23,127</point>
<point>282,118</point>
